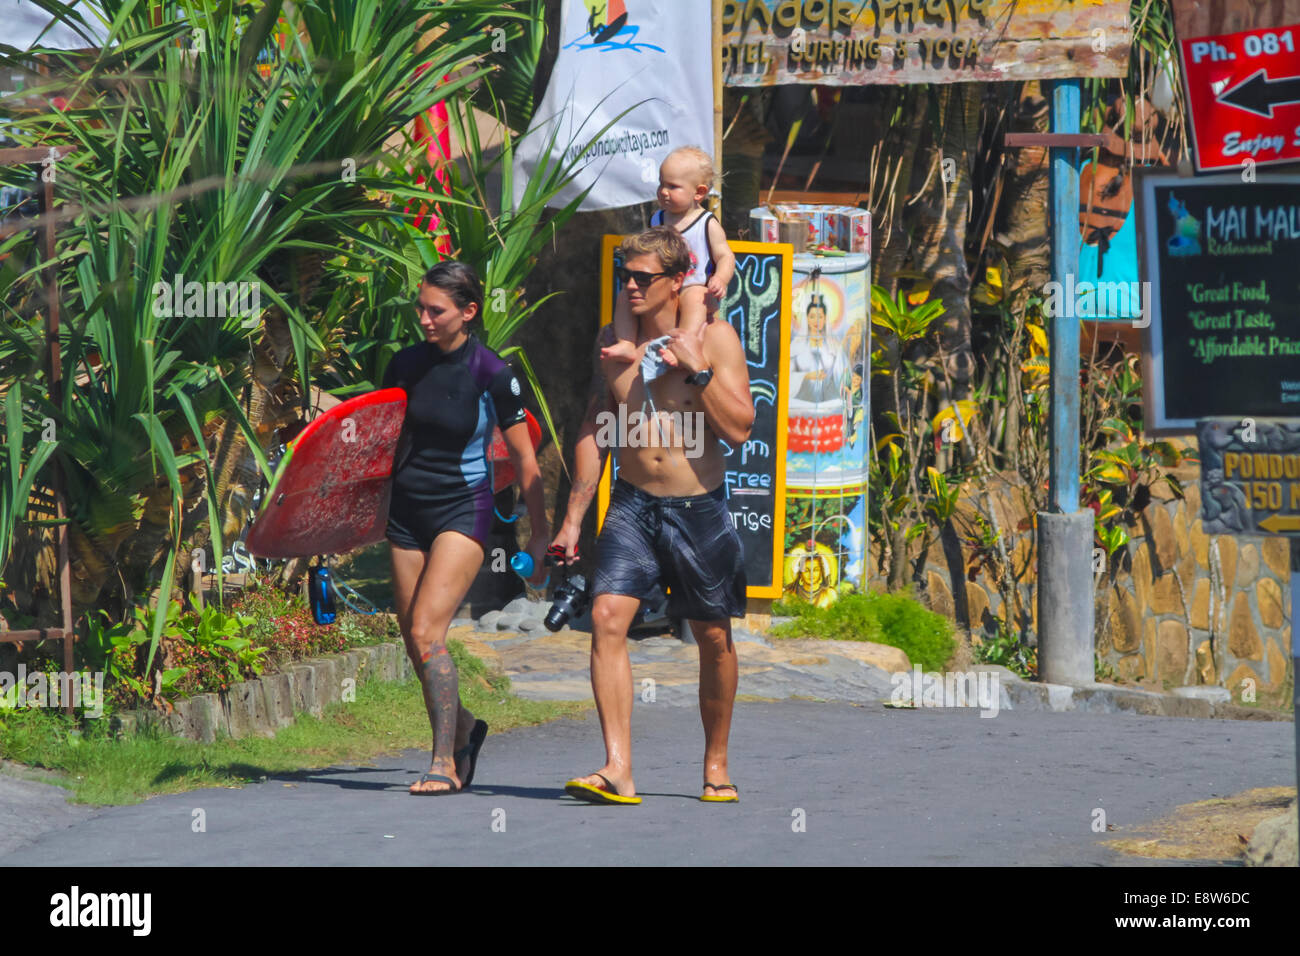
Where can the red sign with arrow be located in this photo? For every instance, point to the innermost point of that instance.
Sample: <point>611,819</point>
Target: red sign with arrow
<point>1244,93</point>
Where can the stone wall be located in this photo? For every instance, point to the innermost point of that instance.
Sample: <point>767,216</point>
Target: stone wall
<point>978,589</point>
<point>272,702</point>
<point>1176,608</point>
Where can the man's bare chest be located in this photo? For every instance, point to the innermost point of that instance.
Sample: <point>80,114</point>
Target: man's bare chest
<point>669,392</point>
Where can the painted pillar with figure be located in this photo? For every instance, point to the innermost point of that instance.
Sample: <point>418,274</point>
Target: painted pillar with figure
<point>828,408</point>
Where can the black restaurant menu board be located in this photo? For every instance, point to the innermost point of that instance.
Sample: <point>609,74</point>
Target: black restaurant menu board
<point>757,305</point>
<point>1221,292</point>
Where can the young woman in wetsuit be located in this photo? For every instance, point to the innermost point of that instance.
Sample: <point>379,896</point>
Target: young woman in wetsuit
<point>441,510</point>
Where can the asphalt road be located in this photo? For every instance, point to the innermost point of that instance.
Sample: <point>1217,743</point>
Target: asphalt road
<point>874,786</point>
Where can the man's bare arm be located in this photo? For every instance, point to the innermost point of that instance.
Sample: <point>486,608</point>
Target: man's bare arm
<point>728,404</point>
<point>588,456</point>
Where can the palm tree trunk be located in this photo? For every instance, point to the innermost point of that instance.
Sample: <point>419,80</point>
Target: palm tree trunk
<point>891,238</point>
<point>943,218</point>
<point>1022,232</point>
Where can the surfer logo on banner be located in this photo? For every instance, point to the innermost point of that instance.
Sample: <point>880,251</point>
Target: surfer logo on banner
<point>608,27</point>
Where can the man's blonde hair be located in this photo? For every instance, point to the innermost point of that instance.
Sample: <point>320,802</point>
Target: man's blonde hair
<point>704,165</point>
<point>665,242</point>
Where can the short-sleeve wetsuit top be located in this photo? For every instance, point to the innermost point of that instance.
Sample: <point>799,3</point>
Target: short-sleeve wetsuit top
<point>453,399</point>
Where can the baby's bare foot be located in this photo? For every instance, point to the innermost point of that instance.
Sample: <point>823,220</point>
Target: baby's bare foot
<point>620,351</point>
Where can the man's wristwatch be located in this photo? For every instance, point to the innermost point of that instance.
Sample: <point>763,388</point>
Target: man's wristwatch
<point>700,378</point>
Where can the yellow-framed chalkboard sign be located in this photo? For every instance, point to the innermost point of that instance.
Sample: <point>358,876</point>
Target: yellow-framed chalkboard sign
<point>757,305</point>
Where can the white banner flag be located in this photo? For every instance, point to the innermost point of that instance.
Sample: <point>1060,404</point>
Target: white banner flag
<point>614,54</point>
<point>25,21</point>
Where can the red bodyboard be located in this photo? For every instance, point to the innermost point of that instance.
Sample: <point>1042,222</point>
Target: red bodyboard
<point>503,469</point>
<point>331,492</point>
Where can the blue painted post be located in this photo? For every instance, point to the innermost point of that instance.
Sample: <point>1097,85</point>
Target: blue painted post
<point>1065,533</point>
<point>1063,467</point>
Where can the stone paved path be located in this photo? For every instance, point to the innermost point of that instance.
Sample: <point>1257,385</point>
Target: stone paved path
<point>545,666</point>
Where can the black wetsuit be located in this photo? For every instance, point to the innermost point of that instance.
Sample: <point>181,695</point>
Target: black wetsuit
<point>441,476</point>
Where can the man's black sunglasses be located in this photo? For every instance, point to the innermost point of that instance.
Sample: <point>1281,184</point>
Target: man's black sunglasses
<point>643,279</point>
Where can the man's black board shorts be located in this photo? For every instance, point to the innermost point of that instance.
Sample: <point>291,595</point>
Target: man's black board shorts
<point>688,544</point>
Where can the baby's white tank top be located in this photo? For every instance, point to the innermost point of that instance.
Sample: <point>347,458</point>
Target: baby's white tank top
<point>697,239</point>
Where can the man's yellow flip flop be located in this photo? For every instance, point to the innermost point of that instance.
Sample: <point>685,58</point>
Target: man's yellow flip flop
<point>717,796</point>
<point>592,794</point>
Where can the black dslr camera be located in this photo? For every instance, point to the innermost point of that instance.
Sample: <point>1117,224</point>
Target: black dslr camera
<point>572,595</point>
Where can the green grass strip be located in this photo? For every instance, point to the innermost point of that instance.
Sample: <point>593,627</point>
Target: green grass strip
<point>386,717</point>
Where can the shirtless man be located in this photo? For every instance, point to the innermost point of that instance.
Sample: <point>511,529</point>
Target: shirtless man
<point>668,519</point>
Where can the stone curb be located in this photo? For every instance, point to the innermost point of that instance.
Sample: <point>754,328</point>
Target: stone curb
<point>263,706</point>
<point>1020,694</point>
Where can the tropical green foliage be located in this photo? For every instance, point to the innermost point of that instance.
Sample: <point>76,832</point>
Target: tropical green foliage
<point>113,650</point>
<point>1008,649</point>
<point>1120,465</point>
<point>17,474</point>
<point>207,649</point>
<point>223,144</point>
<point>895,315</point>
<point>909,498</point>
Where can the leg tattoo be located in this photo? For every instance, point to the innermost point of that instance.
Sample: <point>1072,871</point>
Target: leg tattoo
<point>441,696</point>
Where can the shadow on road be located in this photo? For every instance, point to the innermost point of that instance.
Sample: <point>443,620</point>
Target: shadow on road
<point>330,775</point>
<point>237,772</point>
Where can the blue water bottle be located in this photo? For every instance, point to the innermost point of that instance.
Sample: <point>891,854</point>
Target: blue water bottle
<point>321,589</point>
<point>523,565</point>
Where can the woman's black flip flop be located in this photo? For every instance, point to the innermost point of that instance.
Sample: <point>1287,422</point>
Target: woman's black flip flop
<point>476,738</point>
<point>437,778</point>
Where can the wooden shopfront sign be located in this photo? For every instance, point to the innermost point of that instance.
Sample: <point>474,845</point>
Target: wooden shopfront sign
<point>856,42</point>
